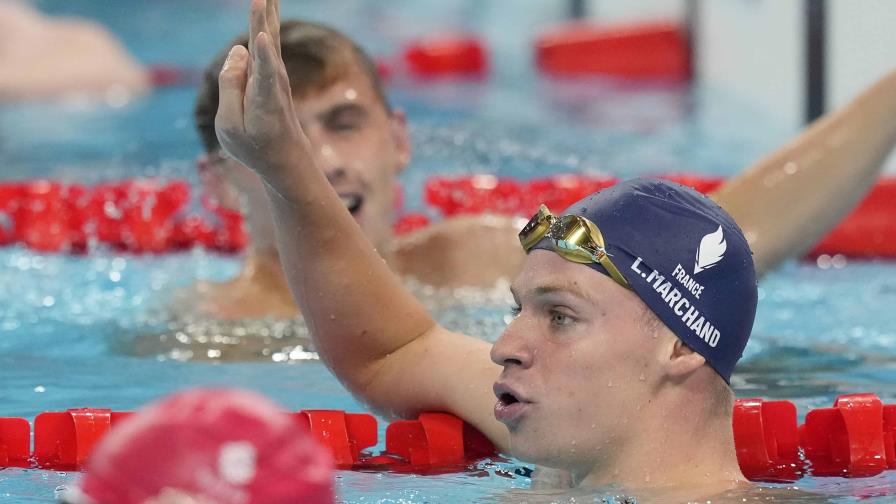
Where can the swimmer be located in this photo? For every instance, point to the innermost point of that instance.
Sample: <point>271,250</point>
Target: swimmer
<point>612,369</point>
<point>206,446</point>
<point>53,57</point>
<point>784,203</point>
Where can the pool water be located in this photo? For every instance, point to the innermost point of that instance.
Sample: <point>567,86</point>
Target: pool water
<point>68,324</point>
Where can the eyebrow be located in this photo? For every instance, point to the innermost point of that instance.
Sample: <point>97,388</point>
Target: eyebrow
<point>562,288</point>
<point>340,109</point>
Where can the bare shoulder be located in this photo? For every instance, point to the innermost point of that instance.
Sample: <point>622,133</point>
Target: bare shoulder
<point>474,250</point>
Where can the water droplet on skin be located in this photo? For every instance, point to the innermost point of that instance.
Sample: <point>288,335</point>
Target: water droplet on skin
<point>610,384</point>
<point>332,317</point>
<point>642,377</point>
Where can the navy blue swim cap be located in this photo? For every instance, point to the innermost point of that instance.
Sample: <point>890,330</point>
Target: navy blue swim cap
<point>686,259</point>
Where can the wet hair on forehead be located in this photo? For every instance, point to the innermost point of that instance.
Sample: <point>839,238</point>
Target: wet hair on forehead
<point>316,57</point>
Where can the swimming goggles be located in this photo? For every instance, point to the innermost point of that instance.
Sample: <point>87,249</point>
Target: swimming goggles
<point>574,237</point>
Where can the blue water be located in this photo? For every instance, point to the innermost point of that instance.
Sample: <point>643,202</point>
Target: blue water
<point>65,322</point>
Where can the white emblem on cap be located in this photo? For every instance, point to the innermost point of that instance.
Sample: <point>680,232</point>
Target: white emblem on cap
<point>712,248</point>
<point>236,462</point>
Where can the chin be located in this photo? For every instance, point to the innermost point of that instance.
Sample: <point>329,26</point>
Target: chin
<point>529,448</point>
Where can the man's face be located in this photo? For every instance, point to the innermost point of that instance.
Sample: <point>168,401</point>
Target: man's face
<point>361,148</point>
<point>578,365</point>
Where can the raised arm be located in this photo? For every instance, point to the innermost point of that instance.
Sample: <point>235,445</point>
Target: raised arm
<point>371,332</point>
<point>787,201</point>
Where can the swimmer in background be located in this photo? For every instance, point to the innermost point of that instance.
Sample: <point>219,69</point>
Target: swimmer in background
<point>610,370</point>
<point>784,203</point>
<point>45,57</point>
<point>206,446</point>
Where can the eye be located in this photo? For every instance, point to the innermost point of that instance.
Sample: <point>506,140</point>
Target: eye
<point>345,119</point>
<point>515,310</point>
<point>340,126</point>
<point>560,319</point>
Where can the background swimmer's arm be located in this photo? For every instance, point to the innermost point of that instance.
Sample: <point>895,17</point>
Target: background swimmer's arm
<point>786,202</point>
<point>46,57</point>
<point>469,250</point>
<point>372,333</point>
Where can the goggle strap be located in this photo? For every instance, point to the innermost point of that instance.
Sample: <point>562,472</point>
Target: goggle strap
<point>615,274</point>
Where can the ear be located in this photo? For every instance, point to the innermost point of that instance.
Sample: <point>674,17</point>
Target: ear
<point>682,360</point>
<point>399,123</point>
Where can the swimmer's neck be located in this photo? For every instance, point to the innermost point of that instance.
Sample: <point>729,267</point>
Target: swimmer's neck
<point>697,458</point>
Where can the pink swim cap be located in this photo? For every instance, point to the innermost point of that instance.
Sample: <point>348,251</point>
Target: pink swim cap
<point>217,446</point>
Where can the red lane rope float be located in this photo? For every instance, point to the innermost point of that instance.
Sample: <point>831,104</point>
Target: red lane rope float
<point>869,230</point>
<point>63,441</point>
<point>855,438</point>
<point>766,440</point>
<point>162,75</point>
<point>410,222</point>
<point>447,55</point>
<point>434,443</point>
<point>135,215</point>
<point>15,442</point>
<point>148,215</point>
<point>641,51</point>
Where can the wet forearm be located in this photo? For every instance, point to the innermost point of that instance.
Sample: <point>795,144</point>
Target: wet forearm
<point>786,202</point>
<point>350,299</point>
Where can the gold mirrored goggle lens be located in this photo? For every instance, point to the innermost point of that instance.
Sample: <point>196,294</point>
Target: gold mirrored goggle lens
<point>536,228</point>
<point>574,237</point>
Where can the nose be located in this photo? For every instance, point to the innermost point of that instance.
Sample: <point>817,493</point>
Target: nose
<point>326,156</point>
<point>513,348</point>
<point>335,175</point>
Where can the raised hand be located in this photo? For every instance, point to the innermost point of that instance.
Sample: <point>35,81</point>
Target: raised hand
<point>256,123</point>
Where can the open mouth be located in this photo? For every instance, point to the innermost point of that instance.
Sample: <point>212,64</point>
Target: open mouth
<point>352,201</point>
<point>510,407</point>
<point>507,399</point>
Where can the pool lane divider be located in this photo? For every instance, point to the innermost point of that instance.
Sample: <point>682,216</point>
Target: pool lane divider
<point>631,52</point>
<point>141,215</point>
<point>154,215</point>
<point>855,438</point>
<point>637,51</point>
<point>434,443</point>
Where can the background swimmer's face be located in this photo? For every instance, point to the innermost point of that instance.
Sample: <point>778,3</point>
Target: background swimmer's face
<point>361,147</point>
<point>580,359</point>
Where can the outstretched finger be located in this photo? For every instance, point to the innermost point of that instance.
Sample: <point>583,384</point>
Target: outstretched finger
<point>265,77</point>
<point>257,22</point>
<point>232,88</point>
<point>273,21</point>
